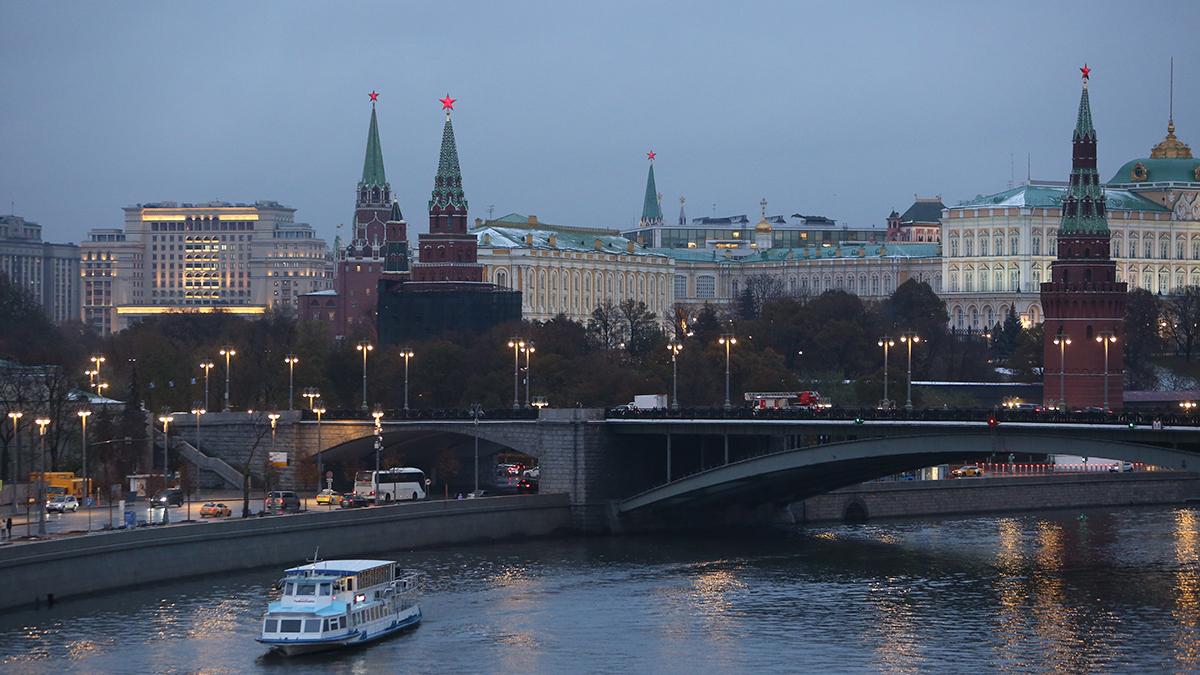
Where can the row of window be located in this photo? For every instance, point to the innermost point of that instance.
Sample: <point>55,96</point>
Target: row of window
<point>1148,248</point>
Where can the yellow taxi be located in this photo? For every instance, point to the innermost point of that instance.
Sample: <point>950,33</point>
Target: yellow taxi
<point>328,497</point>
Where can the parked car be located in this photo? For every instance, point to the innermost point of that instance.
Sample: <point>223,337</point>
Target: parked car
<point>968,470</point>
<point>281,500</point>
<point>478,494</point>
<point>1123,466</point>
<point>353,501</point>
<point>172,497</point>
<point>63,503</point>
<point>328,497</point>
<point>214,510</point>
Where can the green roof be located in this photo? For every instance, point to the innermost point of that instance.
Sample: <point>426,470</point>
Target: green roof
<point>447,186</point>
<point>650,208</point>
<point>1051,196</point>
<point>850,251</point>
<point>511,231</point>
<point>1159,170</point>
<point>924,211</point>
<point>373,163</point>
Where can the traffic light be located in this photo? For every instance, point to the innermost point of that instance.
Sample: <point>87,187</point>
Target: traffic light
<point>991,421</point>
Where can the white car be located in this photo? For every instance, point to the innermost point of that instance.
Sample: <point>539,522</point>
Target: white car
<point>63,503</point>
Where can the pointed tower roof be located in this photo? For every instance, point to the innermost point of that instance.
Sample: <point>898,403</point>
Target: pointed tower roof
<point>396,216</point>
<point>651,212</point>
<point>447,186</point>
<point>682,215</point>
<point>1083,205</point>
<point>373,175</point>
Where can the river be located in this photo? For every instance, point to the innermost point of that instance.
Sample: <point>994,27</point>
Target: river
<point>1099,591</point>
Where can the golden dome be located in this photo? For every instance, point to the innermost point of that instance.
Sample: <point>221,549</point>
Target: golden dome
<point>1171,146</point>
<point>763,225</point>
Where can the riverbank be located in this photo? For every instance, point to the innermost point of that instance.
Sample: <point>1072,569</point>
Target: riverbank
<point>53,569</point>
<point>999,495</point>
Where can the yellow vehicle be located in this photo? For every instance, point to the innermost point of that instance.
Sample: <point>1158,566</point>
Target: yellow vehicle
<point>61,483</point>
<point>328,497</point>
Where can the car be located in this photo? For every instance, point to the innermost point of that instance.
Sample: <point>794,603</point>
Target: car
<point>1118,468</point>
<point>968,470</point>
<point>63,503</point>
<point>281,500</point>
<point>527,486</point>
<point>328,497</point>
<point>477,494</point>
<point>353,501</point>
<point>172,497</point>
<point>215,510</point>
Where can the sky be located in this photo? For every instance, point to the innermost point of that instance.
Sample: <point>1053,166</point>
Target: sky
<point>841,109</point>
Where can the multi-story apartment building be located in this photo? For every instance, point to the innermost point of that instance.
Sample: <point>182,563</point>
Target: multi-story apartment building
<point>239,258</point>
<point>49,271</point>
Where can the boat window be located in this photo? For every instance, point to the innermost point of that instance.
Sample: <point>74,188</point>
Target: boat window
<point>306,588</point>
<point>290,589</point>
<point>342,622</point>
<point>270,626</point>
<point>324,589</point>
<point>289,626</point>
<point>312,625</point>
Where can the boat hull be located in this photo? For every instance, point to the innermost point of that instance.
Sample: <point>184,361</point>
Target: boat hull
<point>301,647</point>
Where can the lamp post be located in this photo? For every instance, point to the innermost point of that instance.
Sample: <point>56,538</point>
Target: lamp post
<point>909,337</point>
<point>273,415</point>
<point>227,351</point>
<point>1105,337</point>
<point>42,422</point>
<point>320,410</point>
<point>886,342</point>
<point>207,365</point>
<point>675,348</point>
<point>377,413</point>
<point>291,360</point>
<point>87,483</point>
<point>198,410</point>
<point>365,346</point>
<point>311,393</point>
<point>1062,340</point>
<point>727,339</point>
<point>517,344</point>
<point>166,420</point>
<point>407,353</point>
<point>529,350</point>
<point>97,359</point>
<point>476,411</point>
<point>16,471</point>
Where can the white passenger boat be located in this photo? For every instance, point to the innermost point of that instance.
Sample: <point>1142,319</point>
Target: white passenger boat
<point>337,603</point>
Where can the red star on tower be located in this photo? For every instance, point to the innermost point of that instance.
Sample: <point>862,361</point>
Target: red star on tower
<point>373,96</point>
<point>447,102</point>
<point>1085,70</point>
<point>651,155</point>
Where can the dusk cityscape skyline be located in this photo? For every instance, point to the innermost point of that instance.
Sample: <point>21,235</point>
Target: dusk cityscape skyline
<point>855,120</point>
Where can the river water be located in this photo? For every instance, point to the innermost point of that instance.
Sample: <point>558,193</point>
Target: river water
<point>1099,591</point>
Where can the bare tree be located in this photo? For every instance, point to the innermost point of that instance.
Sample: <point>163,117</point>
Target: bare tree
<point>1181,314</point>
<point>260,429</point>
<point>606,327</point>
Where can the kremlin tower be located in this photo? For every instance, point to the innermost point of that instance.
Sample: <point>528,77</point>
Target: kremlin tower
<point>651,207</point>
<point>1084,305</point>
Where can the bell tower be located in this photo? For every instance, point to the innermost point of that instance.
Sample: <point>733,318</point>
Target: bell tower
<point>1083,303</point>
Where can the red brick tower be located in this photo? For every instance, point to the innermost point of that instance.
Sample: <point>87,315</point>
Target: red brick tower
<point>449,252</point>
<point>1083,302</point>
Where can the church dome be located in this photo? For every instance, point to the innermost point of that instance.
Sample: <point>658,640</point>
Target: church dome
<point>1170,161</point>
<point>763,225</point>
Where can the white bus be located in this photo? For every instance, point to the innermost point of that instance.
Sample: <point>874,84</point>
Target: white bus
<point>383,487</point>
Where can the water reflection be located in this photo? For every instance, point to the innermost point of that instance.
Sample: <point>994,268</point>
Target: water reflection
<point>1186,642</point>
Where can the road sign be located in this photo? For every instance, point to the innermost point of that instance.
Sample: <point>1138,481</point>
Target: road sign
<point>329,474</point>
<point>427,482</point>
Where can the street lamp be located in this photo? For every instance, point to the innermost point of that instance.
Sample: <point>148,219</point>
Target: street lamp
<point>166,420</point>
<point>377,413</point>
<point>407,353</point>
<point>273,415</point>
<point>1104,338</point>
<point>529,350</point>
<point>1062,340</point>
<point>320,410</point>
<point>311,393</point>
<point>87,484</point>
<point>476,411</point>
<point>42,422</point>
<point>97,359</point>
<point>675,348</point>
<point>16,418</point>
<point>517,344</point>
<point>207,365</point>
<point>365,346</point>
<point>910,337</point>
<point>227,351</point>
<point>727,339</point>
<point>291,360</point>
<point>197,410</point>
<point>886,342</point>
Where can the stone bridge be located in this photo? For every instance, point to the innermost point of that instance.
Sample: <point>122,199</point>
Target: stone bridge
<point>622,468</point>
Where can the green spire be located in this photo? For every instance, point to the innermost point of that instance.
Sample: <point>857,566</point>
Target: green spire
<point>1083,205</point>
<point>651,212</point>
<point>447,186</point>
<point>373,164</point>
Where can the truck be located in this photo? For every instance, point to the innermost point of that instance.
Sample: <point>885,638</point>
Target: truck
<point>649,401</point>
<point>61,483</point>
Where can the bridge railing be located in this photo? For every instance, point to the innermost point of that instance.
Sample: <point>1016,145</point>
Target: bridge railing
<point>490,414</point>
<point>983,415</point>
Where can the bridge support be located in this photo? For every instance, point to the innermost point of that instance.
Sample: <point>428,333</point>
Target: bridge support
<point>668,457</point>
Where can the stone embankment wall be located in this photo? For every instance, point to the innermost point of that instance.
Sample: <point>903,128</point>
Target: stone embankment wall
<point>76,565</point>
<point>977,496</point>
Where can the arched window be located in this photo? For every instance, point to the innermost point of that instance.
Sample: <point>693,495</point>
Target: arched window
<point>734,287</point>
<point>953,247</point>
<point>1116,248</point>
<point>1013,241</point>
<point>983,245</point>
<point>969,247</point>
<point>983,281</point>
<point>502,278</point>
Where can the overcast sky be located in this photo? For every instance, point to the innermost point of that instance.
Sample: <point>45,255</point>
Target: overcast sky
<point>841,109</point>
